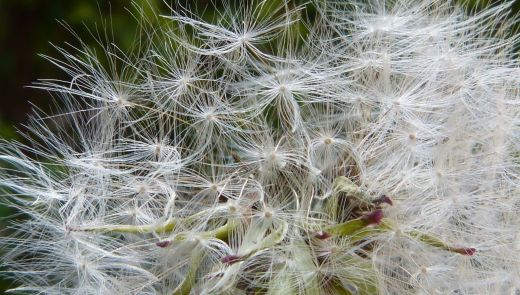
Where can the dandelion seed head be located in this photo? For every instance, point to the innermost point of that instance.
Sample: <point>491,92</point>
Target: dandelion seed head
<point>368,147</point>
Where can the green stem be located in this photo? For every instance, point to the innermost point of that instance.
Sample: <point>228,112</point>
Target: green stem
<point>166,227</point>
<point>135,229</point>
<point>185,287</point>
<point>353,226</point>
<point>357,230</point>
<point>438,243</point>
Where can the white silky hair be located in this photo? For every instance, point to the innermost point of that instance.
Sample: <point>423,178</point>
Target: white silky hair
<point>203,162</point>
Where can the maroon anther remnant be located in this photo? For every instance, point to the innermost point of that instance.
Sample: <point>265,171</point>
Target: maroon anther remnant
<point>230,259</point>
<point>383,199</point>
<point>322,235</point>
<point>373,217</point>
<point>163,244</point>
<point>466,251</point>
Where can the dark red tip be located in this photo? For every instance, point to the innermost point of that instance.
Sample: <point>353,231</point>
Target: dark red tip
<point>322,235</point>
<point>373,217</point>
<point>163,244</point>
<point>466,251</point>
<point>230,259</point>
<point>383,199</point>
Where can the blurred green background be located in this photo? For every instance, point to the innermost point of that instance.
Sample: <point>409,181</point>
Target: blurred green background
<point>27,27</point>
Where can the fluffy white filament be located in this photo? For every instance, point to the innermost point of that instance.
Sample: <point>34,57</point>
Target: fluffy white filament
<point>219,159</point>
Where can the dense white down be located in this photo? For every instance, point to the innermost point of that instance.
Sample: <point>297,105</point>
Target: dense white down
<point>248,120</point>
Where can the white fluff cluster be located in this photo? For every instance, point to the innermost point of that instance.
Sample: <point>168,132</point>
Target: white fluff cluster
<point>374,151</point>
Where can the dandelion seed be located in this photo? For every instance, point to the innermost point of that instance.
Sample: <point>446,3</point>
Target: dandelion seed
<point>366,147</point>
